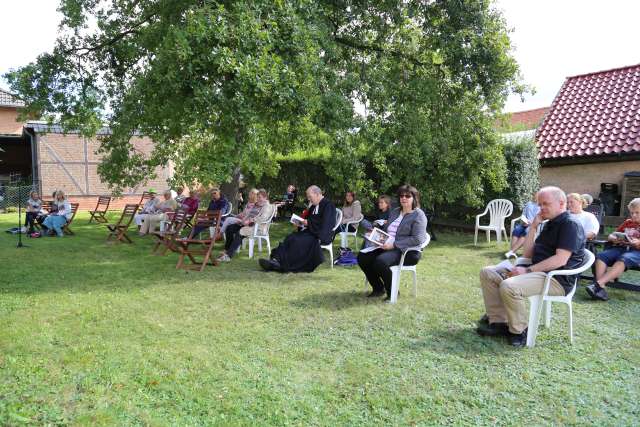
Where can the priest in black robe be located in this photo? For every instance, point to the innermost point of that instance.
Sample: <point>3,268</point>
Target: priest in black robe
<point>300,251</point>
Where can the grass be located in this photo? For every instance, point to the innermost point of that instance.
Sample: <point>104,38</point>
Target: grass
<point>97,334</point>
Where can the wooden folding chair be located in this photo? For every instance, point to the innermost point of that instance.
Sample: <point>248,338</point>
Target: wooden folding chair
<point>171,232</point>
<point>101,210</point>
<point>74,210</point>
<point>192,246</point>
<point>119,229</point>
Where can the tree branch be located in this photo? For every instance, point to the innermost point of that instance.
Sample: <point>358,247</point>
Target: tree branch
<point>374,48</point>
<point>111,41</point>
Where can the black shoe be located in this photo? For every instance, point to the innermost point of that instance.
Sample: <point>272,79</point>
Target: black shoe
<point>270,264</point>
<point>518,340</point>
<point>265,264</point>
<point>375,294</point>
<point>492,329</point>
<point>484,319</point>
<point>596,291</point>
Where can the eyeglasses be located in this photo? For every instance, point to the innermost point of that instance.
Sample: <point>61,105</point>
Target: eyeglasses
<point>406,196</point>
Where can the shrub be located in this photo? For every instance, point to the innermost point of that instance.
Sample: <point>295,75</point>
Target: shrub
<point>523,180</point>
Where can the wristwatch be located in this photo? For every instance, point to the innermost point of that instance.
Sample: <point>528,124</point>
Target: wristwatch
<point>528,270</point>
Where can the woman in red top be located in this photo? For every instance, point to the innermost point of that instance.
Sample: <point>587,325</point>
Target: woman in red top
<point>623,253</point>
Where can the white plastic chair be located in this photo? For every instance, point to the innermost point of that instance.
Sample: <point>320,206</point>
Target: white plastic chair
<point>257,235</point>
<point>329,247</point>
<point>229,210</point>
<point>344,235</point>
<point>396,270</point>
<point>499,210</point>
<point>544,300</point>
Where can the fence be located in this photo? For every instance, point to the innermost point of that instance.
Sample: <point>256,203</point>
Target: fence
<point>11,196</point>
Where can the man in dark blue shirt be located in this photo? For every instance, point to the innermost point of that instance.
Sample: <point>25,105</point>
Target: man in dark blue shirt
<point>560,245</point>
<point>218,203</point>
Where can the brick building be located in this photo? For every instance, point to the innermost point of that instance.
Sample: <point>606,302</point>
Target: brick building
<point>51,160</point>
<point>591,133</point>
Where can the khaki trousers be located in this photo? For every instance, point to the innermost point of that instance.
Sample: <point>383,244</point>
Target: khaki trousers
<point>504,300</point>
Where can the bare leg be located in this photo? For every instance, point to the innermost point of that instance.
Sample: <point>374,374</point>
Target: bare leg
<point>517,244</point>
<point>607,276</point>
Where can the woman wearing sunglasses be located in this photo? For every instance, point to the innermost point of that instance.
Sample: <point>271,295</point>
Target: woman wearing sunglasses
<point>406,227</point>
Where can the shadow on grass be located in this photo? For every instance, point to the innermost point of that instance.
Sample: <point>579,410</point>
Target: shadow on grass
<point>462,341</point>
<point>336,300</point>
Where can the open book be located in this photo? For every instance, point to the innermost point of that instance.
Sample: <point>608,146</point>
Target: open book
<point>377,237</point>
<point>622,236</point>
<point>297,220</point>
<point>504,269</point>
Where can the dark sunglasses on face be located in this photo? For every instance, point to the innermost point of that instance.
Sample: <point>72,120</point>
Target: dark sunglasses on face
<point>405,196</point>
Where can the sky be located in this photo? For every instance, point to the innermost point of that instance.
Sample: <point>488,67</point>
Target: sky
<point>553,39</point>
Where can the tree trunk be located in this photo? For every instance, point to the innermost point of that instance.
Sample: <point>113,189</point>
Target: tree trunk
<point>230,189</point>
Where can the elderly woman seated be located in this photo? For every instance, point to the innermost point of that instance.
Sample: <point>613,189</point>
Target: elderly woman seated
<point>60,214</point>
<point>250,211</point>
<point>151,221</point>
<point>589,222</point>
<point>242,226</point>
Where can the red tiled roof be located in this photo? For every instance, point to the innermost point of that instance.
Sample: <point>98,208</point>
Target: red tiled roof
<point>593,114</point>
<point>530,119</point>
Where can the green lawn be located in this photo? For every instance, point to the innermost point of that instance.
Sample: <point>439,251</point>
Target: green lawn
<point>97,334</point>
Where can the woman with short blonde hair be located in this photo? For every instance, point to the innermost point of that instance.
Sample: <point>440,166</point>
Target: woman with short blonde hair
<point>589,222</point>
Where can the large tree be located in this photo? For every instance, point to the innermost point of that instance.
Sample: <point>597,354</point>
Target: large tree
<point>223,86</point>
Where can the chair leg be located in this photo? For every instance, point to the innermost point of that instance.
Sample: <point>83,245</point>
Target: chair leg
<point>366,284</point>
<point>251,242</point>
<point>570,322</point>
<point>415,283</point>
<point>268,246</point>
<point>499,235</point>
<point>260,245</point>
<point>475,238</point>
<point>395,283</point>
<point>547,314</point>
<point>343,240</point>
<point>331,256</point>
<point>488,233</point>
<point>534,319</point>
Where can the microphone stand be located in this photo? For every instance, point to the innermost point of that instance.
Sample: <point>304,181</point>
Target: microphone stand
<point>20,245</point>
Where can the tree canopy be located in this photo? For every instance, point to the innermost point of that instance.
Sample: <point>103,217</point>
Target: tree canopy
<point>222,86</point>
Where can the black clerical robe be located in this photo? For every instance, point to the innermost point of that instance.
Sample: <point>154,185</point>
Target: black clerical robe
<point>300,251</point>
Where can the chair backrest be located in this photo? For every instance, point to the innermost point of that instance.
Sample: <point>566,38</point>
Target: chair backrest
<point>588,259</point>
<point>426,242</point>
<point>128,213</point>
<point>206,219</point>
<point>338,219</point>
<point>74,210</point>
<point>262,228</point>
<point>229,209</point>
<point>597,210</point>
<point>499,209</point>
<point>103,203</point>
<point>178,221</point>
